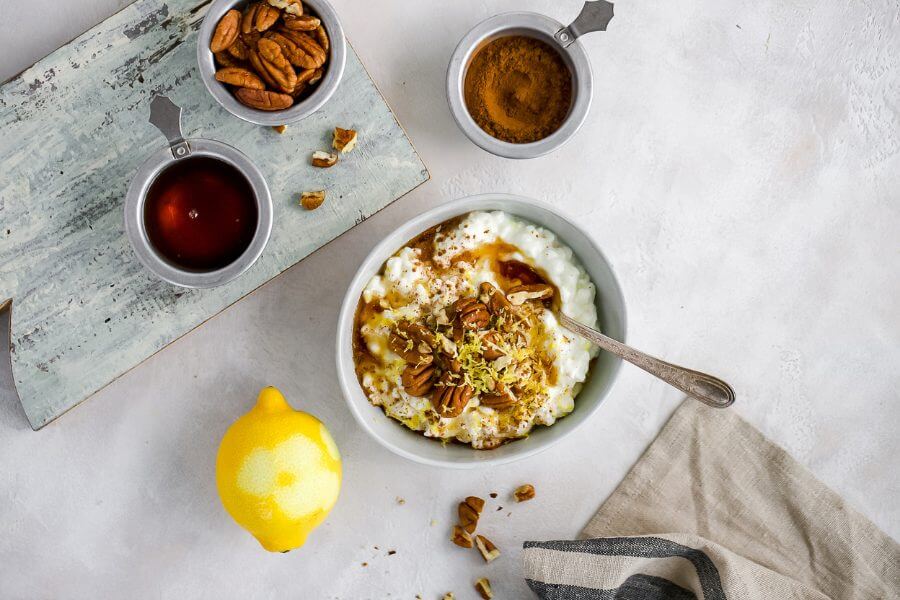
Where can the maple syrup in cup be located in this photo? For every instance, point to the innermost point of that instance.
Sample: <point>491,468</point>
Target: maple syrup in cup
<point>200,214</point>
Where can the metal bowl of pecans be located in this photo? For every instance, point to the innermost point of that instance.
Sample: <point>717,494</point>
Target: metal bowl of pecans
<point>271,62</point>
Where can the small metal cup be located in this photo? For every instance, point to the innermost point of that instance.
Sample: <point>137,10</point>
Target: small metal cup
<point>334,68</point>
<point>594,17</point>
<point>167,117</point>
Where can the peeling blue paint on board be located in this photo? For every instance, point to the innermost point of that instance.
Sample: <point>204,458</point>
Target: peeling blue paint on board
<point>75,130</point>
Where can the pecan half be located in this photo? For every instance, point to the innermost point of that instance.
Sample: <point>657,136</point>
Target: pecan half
<point>418,380</point>
<point>417,332</point>
<point>451,396</point>
<point>471,314</point>
<point>240,77</point>
<point>312,200</point>
<point>248,20</point>
<point>277,65</point>
<point>257,63</point>
<point>317,76</point>
<point>487,548</point>
<point>309,53</point>
<point>409,349</point>
<point>266,16</point>
<point>301,22</point>
<point>461,538</point>
<point>226,31</point>
<point>224,59</point>
<point>322,38</point>
<point>291,7</point>
<point>490,345</point>
<point>521,294</point>
<point>239,49</point>
<point>469,512</point>
<point>263,100</point>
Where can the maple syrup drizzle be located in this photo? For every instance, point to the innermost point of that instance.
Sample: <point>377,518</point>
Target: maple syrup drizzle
<point>200,214</point>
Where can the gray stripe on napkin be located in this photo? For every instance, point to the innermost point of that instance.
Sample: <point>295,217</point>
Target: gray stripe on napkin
<point>639,548</point>
<point>636,587</point>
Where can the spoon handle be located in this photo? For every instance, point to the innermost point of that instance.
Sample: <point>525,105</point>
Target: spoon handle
<point>707,389</point>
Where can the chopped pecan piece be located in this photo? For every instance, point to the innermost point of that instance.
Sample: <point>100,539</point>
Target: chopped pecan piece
<point>312,200</point>
<point>501,397</point>
<point>490,345</point>
<point>344,140</point>
<point>461,538</point>
<point>323,159</point>
<point>524,493</point>
<point>469,513</point>
<point>487,548</point>
<point>520,294</point>
<point>282,129</point>
<point>494,299</point>
<point>418,380</point>
<point>226,31</point>
<point>483,587</point>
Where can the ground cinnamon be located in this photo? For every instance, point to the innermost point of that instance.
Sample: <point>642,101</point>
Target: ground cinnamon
<point>518,89</point>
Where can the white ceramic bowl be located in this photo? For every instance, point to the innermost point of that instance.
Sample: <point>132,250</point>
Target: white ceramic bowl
<point>413,445</point>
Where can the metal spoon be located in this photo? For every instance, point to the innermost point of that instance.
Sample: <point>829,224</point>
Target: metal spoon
<point>709,390</point>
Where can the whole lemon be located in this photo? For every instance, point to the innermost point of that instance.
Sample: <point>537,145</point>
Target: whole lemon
<point>278,472</point>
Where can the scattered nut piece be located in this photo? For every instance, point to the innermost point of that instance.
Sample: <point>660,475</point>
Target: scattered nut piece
<point>483,587</point>
<point>449,596</point>
<point>469,512</point>
<point>493,494</point>
<point>344,140</point>
<point>312,200</point>
<point>281,129</point>
<point>487,548</point>
<point>461,538</point>
<point>226,31</point>
<point>400,501</point>
<point>324,159</point>
<point>524,493</point>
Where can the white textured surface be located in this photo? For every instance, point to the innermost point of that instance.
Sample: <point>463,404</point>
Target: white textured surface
<point>740,168</point>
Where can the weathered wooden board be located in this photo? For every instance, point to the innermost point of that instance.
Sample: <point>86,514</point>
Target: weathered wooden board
<point>74,130</point>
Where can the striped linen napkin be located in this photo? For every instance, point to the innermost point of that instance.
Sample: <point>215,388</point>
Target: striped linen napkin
<point>715,511</point>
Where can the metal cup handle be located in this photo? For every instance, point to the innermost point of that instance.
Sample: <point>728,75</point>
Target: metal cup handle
<point>594,16</point>
<point>165,115</point>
